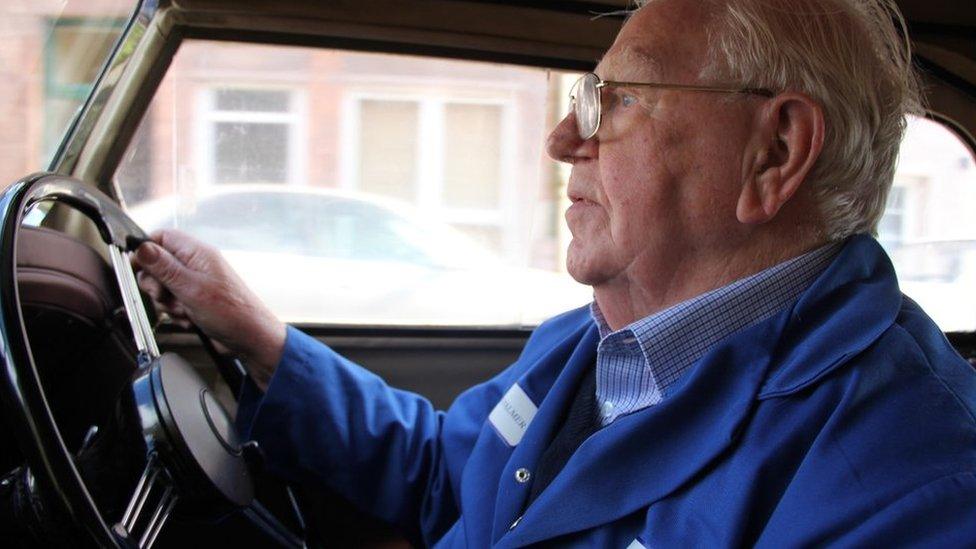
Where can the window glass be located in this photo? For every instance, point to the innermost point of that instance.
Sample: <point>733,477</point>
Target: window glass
<point>252,100</point>
<point>472,155</point>
<point>248,137</point>
<point>388,147</point>
<point>928,227</point>
<point>250,152</point>
<point>51,52</point>
<point>361,188</point>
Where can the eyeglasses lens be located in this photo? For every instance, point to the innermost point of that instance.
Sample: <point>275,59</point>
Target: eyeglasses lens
<point>587,105</point>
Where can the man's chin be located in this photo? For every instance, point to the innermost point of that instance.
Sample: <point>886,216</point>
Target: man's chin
<point>583,268</point>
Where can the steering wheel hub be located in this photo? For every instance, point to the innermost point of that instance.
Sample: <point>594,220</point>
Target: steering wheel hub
<point>190,430</point>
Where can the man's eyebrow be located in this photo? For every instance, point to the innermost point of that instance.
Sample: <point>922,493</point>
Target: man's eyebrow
<point>634,62</point>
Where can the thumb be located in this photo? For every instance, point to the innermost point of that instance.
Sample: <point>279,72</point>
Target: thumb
<point>161,265</point>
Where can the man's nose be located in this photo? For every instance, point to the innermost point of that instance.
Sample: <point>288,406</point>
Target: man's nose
<point>565,145</point>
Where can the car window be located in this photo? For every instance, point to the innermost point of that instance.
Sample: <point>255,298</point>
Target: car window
<point>51,53</point>
<point>928,227</point>
<point>351,187</point>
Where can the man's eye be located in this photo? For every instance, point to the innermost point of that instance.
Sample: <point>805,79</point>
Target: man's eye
<point>617,100</point>
<point>627,100</point>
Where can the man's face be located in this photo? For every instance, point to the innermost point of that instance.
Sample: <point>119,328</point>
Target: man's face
<point>655,190</point>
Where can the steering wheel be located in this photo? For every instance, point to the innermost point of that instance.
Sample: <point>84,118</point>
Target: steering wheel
<point>182,441</point>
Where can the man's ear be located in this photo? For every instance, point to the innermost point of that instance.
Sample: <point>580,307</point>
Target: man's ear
<point>788,136</point>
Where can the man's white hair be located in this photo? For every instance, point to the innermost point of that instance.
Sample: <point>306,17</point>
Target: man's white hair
<point>851,56</point>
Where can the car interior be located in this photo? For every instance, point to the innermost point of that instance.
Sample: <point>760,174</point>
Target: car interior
<point>70,341</point>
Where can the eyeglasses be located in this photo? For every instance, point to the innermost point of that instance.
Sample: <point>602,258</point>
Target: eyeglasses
<point>587,100</point>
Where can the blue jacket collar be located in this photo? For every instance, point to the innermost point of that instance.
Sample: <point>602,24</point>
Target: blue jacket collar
<point>845,310</point>
<point>644,457</point>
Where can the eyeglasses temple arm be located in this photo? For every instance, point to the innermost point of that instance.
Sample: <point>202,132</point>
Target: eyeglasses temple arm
<point>753,91</point>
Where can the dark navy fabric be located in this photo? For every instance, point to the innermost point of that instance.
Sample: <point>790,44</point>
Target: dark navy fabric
<point>846,420</point>
<point>582,420</point>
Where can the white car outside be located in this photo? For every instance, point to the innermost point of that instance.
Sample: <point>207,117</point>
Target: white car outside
<point>329,257</point>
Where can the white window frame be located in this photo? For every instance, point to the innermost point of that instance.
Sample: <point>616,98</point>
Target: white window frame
<point>902,236</point>
<point>429,178</point>
<point>207,117</point>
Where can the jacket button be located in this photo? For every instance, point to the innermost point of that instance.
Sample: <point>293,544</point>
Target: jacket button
<point>523,475</point>
<point>514,524</point>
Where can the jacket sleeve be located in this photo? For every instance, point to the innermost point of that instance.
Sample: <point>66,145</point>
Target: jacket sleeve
<point>329,422</point>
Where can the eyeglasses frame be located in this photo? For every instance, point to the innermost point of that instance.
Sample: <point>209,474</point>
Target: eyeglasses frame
<point>601,83</point>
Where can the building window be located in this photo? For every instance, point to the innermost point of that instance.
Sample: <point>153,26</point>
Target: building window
<point>252,136</point>
<point>472,156</point>
<point>388,148</point>
<point>447,157</point>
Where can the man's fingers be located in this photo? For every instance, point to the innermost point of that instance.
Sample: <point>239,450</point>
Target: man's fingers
<point>161,265</point>
<point>176,310</point>
<point>172,309</point>
<point>185,324</point>
<point>151,286</point>
<point>183,246</point>
<point>162,299</point>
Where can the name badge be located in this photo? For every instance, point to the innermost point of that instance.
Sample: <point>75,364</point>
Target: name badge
<point>512,415</point>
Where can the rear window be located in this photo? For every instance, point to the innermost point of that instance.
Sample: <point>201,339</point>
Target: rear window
<point>929,229</point>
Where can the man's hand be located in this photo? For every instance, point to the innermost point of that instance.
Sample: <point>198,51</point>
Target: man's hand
<point>191,282</point>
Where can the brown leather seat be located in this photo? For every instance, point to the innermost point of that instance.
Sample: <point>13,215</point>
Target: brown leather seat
<point>57,271</point>
<point>79,335</point>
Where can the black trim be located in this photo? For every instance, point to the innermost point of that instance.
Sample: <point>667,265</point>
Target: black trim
<point>952,79</point>
<point>958,339</point>
<point>965,343</point>
<point>568,6</point>
<point>917,28</point>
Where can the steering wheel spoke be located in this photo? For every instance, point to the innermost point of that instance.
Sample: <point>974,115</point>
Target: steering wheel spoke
<point>135,310</point>
<point>149,507</point>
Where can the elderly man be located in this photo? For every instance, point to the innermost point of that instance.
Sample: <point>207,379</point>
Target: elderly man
<point>749,373</point>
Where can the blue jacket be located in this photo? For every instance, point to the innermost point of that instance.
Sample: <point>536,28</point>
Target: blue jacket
<point>847,420</point>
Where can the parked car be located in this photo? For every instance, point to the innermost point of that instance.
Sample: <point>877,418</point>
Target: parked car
<point>360,259</point>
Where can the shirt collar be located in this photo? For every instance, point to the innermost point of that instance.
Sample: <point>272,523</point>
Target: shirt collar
<point>672,340</point>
